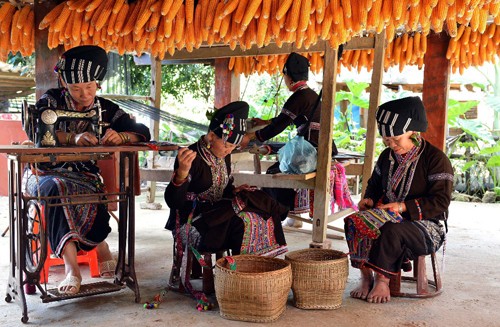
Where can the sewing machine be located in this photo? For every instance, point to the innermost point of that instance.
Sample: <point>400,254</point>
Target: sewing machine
<point>40,124</point>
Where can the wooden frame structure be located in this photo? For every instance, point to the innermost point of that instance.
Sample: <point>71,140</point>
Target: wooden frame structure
<point>45,79</point>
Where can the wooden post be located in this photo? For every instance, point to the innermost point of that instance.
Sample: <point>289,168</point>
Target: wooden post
<point>375,89</point>
<point>435,88</point>
<point>227,85</point>
<point>154,125</point>
<point>322,181</point>
<point>45,58</point>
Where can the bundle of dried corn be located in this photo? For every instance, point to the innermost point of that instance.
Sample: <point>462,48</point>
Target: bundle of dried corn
<point>16,30</point>
<point>270,63</point>
<point>473,48</point>
<point>165,26</point>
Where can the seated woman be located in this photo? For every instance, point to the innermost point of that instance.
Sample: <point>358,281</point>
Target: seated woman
<point>405,202</point>
<point>203,200</point>
<point>84,226</point>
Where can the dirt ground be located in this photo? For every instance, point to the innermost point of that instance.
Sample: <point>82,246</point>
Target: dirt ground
<point>471,284</point>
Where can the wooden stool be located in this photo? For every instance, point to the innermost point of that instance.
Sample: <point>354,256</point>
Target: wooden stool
<point>195,270</point>
<point>420,278</point>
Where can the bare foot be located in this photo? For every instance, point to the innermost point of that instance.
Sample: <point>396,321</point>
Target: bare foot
<point>364,287</point>
<point>381,292</point>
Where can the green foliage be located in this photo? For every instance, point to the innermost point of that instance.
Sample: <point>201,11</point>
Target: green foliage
<point>268,97</point>
<point>457,109</point>
<point>26,64</point>
<point>179,134</point>
<point>177,80</point>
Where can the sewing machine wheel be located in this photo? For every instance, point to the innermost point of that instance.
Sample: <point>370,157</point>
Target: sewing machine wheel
<point>36,246</point>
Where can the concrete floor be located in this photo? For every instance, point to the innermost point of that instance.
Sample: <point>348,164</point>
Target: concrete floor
<point>471,283</point>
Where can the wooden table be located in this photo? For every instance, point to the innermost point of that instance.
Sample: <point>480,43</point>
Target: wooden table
<point>25,262</point>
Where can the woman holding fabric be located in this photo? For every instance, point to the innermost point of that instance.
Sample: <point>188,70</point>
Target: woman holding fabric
<point>297,110</point>
<point>204,201</point>
<point>85,226</point>
<point>405,203</point>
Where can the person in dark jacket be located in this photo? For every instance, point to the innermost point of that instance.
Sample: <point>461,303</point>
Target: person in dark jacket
<point>405,204</point>
<point>84,226</point>
<point>204,201</point>
<point>297,110</point>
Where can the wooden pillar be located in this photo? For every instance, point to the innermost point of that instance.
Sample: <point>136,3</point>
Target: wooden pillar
<point>322,184</point>
<point>435,88</point>
<point>154,125</point>
<point>45,58</point>
<point>227,85</point>
<point>375,89</point>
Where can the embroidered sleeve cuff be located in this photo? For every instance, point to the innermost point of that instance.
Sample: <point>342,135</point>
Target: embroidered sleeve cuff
<point>238,204</point>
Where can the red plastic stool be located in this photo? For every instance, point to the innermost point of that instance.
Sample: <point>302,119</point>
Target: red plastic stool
<point>89,258</point>
<point>424,287</point>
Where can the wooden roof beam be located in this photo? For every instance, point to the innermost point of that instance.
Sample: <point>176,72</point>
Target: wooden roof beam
<point>223,51</point>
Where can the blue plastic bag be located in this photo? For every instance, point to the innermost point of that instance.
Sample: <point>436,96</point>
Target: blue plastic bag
<point>298,156</point>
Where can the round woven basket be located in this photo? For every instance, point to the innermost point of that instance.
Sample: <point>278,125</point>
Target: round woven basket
<point>319,277</point>
<point>256,291</point>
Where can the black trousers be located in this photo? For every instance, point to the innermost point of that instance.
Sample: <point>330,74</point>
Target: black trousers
<point>399,242</point>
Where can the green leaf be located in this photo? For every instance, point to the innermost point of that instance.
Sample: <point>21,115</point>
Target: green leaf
<point>494,161</point>
<point>456,109</point>
<point>491,150</point>
<point>357,88</point>
<point>342,95</point>
<point>475,128</point>
<point>469,164</point>
<point>479,85</point>
<point>493,102</point>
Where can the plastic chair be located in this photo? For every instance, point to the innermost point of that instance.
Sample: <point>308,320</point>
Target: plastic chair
<point>425,288</point>
<point>83,257</point>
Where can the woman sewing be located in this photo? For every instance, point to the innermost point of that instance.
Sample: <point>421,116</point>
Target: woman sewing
<point>204,202</point>
<point>405,203</point>
<point>85,226</point>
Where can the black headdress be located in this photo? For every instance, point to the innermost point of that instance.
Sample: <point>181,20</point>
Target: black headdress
<point>83,64</point>
<point>399,116</point>
<point>229,122</point>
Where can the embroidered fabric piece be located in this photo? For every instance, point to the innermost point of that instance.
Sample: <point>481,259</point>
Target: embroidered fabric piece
<point>258,237</point>
<point>80,217</point>
<point>362,228</point>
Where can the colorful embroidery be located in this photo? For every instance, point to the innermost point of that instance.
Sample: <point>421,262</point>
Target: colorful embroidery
<point>227,127</point>
<point>362,228</point>
<point>220,175</point>
<point>440,177</point>
<point>237,204</point>
<point>420,216</point>
<point>258,237</point>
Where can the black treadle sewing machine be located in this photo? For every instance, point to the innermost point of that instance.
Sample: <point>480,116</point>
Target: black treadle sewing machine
<point>40,123</point>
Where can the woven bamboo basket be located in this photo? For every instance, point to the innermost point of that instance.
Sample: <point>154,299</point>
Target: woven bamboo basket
<point>256,291</point>
<point>319,278</point>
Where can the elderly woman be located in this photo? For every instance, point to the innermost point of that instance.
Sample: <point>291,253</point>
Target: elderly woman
<point>85,226</point>
<point>242,219</point>
<point>405,203</point>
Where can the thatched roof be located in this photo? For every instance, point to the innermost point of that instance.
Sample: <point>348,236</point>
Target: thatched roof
<point>162,27</point>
